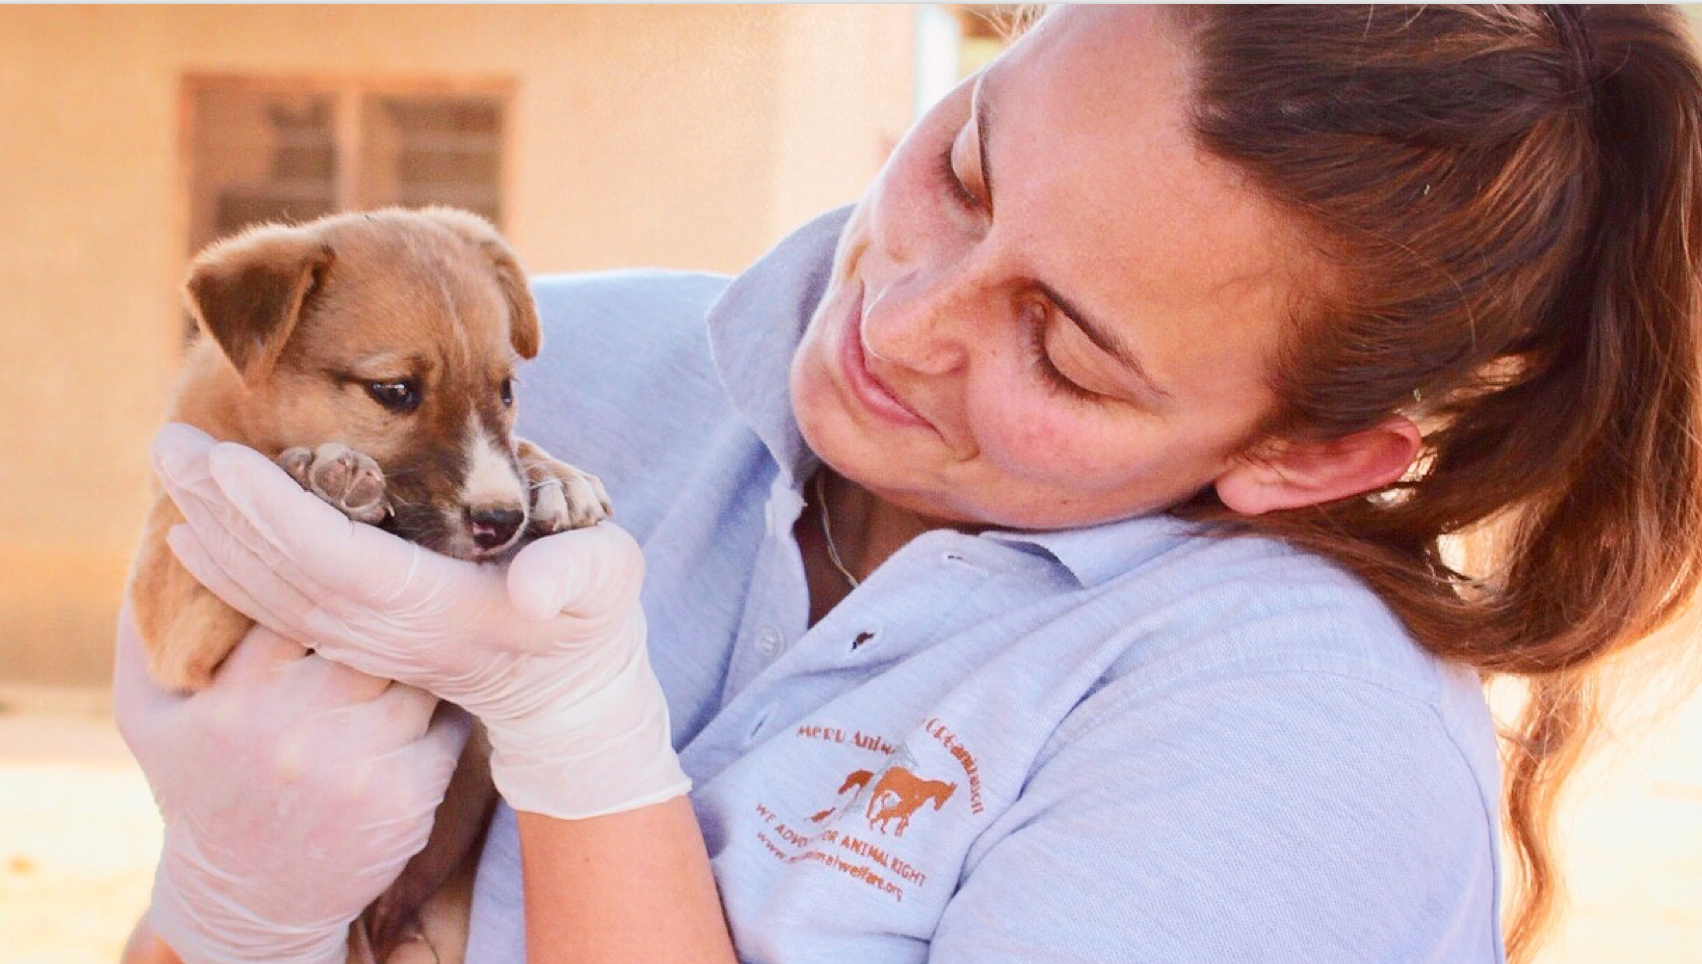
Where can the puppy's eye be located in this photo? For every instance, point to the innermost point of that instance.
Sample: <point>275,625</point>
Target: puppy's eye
<point>399,396</point>
<point>507,391</point>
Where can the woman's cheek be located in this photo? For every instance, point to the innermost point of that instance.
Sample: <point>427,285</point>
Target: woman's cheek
<point>1034,436</point>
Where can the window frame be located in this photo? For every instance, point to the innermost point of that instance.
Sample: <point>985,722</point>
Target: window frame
<point>347,92</point>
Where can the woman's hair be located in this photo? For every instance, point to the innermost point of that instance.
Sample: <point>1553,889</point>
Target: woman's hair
<point>1505,202</point>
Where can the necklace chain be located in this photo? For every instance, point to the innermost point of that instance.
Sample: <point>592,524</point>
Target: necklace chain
<point>827,528</point>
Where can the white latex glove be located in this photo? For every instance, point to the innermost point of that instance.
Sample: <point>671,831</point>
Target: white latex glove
<point>293,791</point>
<point>549,654</point>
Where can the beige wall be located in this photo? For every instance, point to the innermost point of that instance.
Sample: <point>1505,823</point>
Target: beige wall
<point>688,137</point>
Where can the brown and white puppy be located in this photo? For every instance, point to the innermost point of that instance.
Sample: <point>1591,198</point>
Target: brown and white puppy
<point>373,356</point>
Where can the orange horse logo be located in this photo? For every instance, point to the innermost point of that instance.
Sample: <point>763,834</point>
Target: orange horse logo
<point>901,793</point>
<point>856,780</point>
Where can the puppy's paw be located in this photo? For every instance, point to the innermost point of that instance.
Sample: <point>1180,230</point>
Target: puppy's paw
<point>187,637</point>
<point>341,476</point>
<point>184,671</point>
<point>562,496</point>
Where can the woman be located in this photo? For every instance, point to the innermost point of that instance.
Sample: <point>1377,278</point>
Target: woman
<point>1044,559</point>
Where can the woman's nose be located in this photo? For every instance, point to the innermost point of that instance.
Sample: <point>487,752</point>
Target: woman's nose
<point>920,322</point>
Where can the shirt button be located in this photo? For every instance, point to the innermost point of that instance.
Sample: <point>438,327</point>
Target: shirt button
<point>769,642</point>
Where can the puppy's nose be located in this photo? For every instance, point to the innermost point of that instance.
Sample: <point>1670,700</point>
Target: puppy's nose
<point>494,527</point>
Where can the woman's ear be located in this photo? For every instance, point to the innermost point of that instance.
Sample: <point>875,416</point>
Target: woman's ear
<point>1292,473</point>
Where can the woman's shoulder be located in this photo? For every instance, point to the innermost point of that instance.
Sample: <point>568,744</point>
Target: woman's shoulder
<point>1248,603</point>
<point>1265,716</point>
<point>611,337</point>
<point>624,385</point>
<point>1303,806</point>
<point>629,308</point>
<point>1288,643</point>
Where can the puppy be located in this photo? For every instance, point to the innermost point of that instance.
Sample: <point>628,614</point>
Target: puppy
<point>372,355</point>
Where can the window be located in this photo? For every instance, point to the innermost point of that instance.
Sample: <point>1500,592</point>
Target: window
<point>263,150</point>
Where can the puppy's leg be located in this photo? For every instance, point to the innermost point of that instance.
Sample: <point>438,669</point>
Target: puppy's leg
<point>348,480</point>
<point>444,922</point>
<point>423,915</point>
<point>186,631</point>
<point>562,496</point>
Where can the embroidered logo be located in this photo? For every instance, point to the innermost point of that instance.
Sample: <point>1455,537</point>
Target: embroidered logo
<point>901,793</point>
<point>897,795</point>
<point>885,796</point>
<point>855,781</point>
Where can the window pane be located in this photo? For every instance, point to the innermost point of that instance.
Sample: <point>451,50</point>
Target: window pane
<point>418,150</point>
<point>258,155</point>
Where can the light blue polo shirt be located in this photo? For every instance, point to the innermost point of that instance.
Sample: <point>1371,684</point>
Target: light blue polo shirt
<point>1124,743</point>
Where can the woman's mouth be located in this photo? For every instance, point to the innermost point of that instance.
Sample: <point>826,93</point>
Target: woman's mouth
<point>871,392</point>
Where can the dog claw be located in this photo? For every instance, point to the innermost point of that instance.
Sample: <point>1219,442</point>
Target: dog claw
<point>563,497</point>
<point>349,481</point>
<point>296,462</point>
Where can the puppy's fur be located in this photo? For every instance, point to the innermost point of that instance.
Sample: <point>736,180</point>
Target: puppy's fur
<point>372,356</point>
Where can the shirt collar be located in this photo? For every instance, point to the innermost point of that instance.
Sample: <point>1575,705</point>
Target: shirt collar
<point>1098,554</point>
<point>754,330</point>
<point>755,327</point>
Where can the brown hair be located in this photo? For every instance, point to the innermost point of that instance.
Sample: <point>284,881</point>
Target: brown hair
<point>1506,199</point>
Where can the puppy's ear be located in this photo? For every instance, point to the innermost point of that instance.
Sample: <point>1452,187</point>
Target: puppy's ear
<point>247,292</point>
<point>510,277</point>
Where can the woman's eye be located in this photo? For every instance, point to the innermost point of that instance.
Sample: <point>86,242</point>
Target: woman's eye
<point>948,174</point>
<point>398,396</point>
<point>507,392</point>
<point>1045,368</point>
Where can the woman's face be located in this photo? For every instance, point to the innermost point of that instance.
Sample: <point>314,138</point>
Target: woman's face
<point>1051,309</point>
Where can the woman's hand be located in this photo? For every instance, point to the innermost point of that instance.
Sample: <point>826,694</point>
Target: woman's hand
<point>549,655</point>
<point>293,792</point>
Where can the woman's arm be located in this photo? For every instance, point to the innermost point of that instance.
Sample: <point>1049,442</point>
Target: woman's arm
<point>631,886</point>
